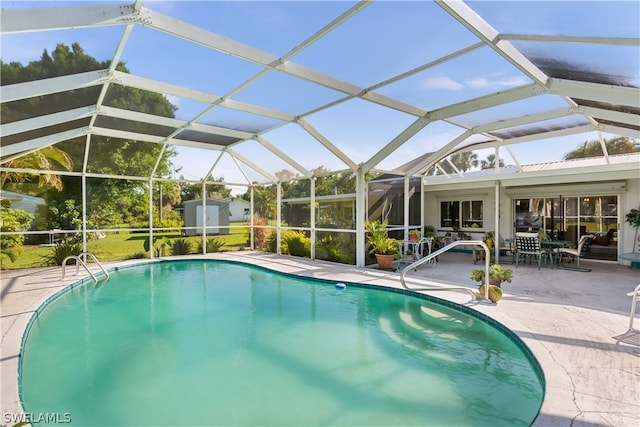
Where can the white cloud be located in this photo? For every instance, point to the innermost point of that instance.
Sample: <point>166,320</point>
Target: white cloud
<point>442,82</point>
<point>482,82</point>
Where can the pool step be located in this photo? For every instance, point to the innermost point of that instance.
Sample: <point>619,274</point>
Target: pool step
<point>407,329</point>
<point>447,317</point>
<point>414,324</point>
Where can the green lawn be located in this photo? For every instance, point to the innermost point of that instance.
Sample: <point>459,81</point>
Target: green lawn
<point>125,245</point>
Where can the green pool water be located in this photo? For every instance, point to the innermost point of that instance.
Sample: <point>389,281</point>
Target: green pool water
<point>217,343</point>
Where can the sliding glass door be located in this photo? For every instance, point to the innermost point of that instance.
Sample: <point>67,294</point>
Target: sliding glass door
<point>568,218</point>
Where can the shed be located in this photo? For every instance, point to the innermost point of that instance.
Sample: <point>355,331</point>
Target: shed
<point>216,213</point>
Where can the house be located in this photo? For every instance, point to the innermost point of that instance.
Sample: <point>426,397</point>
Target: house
<point>239,210</point>
<point>575,198</point>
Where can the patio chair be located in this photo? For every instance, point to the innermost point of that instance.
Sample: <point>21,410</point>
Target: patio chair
<point>428,245</point>
<point>528,246</point>
<point>424,247</point>
<point>576,253</point>
<point>506,249</point>
<point>418,250</point>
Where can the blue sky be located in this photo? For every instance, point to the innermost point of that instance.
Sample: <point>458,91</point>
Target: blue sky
<point>385,39</point>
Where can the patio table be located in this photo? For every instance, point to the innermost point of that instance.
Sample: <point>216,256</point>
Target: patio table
<point>551,246</point>
<point>633,257</point>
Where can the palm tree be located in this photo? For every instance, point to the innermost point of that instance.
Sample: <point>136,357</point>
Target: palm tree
<point>42,159</point>
<point>619,145</point>
<point>264,202</point>
<point>463,161</point>
<point>490,162</point>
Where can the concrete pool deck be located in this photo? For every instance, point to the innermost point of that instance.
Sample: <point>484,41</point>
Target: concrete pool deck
<point>575,323</point>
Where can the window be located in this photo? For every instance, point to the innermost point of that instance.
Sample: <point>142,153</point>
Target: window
<point>465,214</point>
<point>449,214</point>
<point>472,214</point>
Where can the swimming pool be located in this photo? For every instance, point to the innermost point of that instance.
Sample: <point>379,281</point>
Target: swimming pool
<point>203,342</point>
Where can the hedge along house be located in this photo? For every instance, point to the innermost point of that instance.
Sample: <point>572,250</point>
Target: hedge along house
<point>321,89</point>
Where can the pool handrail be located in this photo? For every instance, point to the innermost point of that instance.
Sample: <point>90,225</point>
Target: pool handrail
<point>432,255</point>
<point>80,261</point>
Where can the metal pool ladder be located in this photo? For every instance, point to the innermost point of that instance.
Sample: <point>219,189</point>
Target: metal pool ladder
<point>80,261</point>
<point>451,245</point>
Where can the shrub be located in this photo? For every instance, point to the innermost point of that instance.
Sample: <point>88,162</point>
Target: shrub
<point>214,244</point>
<point>296,243</point>
<point>67,247</point>
<point>13,220</point>
<point>159,245</point>
<point>329,249</point>
<point>180,247</point>
<point>138,255</point>
<point>101,217</point>
<point>65,215</point>
<point>260,235</point>
<point>271,242</point>
<point>168,223</point>
<point>9,253</point>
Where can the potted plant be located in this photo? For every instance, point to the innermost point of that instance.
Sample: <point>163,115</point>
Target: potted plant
<point>497,275</point>
<point>454,233</point>
<point>633,218</point>
<point>543,235</point>
<point>488,238</point>
<point>414,235</point>
<point>385,248</point>
<point>495,293</point>
<point>429,231</point>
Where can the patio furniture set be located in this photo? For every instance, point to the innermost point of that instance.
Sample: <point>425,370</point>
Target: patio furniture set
<point>529,247</point>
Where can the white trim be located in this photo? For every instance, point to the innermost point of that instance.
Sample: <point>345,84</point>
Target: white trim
<point>568,190</point>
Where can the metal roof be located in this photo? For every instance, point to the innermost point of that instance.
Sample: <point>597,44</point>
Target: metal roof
<point>390,86</point>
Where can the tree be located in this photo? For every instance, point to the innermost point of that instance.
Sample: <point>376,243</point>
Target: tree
<point>298,214</point>
<point>65,216</point>
<point>618,145</point>
<point>190,191</point>
<point>490,162</point>
<point>264,201</point>
<point>284,175</point>
<point>463,161</point>
<point>12,220</point>
<point>111,201</point>
<point>42,159</point>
